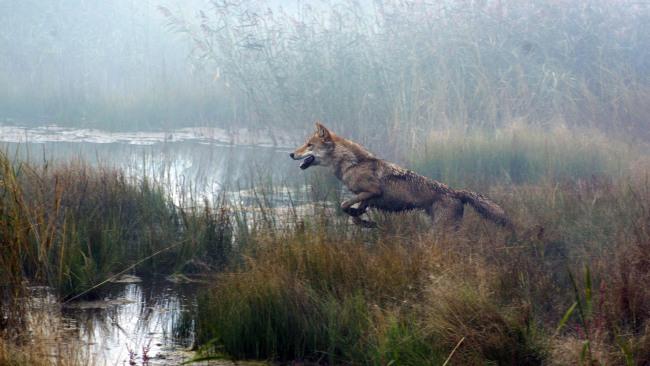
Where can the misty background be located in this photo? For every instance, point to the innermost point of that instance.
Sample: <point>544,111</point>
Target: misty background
<point>389,73</point>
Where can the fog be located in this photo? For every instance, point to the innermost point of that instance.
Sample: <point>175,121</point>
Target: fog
<point>115,65</point>
<point>380,71</point>
<point>89,63</point>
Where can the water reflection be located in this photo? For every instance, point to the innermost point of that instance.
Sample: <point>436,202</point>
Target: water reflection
<point>135,322</point>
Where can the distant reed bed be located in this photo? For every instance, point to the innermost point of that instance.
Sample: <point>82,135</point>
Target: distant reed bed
<point>521,154</point>
<point>392,71</point>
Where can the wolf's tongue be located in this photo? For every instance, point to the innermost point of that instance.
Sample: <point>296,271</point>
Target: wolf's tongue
<point>307,162</point>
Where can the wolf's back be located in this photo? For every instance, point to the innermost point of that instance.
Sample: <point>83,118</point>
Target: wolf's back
<point>485,207</point>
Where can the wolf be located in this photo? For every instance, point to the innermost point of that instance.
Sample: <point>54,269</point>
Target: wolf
<point>385,186</point>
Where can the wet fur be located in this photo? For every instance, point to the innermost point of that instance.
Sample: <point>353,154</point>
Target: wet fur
<point>383,185</point>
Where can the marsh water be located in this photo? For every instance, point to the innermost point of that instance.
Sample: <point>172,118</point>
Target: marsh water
<point>145,321</point>
<point>189,163</point>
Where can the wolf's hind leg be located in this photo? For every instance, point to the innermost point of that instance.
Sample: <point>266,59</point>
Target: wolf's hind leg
<point>450,214</point>
<point>361,197</point>
<point>364,223</point>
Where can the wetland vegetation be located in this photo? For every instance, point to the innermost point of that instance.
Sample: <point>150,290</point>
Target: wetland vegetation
<point>242,256</point>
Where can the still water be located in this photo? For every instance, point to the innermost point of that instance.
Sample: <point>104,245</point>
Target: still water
<point>145,322</point>
<point>138,323</point>
<point>196,163</point>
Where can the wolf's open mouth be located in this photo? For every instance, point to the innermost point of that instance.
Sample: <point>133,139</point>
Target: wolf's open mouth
<point>307,162</point>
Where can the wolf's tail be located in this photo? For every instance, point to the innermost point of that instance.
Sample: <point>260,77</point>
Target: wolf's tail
<point>485,207</point>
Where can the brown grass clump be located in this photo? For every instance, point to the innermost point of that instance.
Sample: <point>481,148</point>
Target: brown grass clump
<point>13,355</point>
<point>41,352</point>
<point>348,301</point>
<point>501,333</point>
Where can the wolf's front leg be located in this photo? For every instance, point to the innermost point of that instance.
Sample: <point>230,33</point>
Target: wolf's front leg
<point>362,199</point>
<point>357,211</point>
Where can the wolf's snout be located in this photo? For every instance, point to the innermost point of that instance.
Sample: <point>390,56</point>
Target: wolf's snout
<point>291,155</point>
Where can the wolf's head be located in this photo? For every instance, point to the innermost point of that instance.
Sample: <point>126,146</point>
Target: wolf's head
<point>317,150</point>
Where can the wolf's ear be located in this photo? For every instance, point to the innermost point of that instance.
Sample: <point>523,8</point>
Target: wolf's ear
<point>323,132</point>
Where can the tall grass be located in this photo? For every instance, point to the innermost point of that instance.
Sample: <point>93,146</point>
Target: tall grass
<point>392,71</point>
<point>343,297</point>
<point>404,294</point>
<point>306,297</point>
<point>13,355</point>
<point>72,226</point>
<point>521,154</point>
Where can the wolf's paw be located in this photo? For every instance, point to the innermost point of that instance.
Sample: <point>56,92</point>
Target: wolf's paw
<point>364,223</point>
<point>346,206</point>
<point>354,212</point>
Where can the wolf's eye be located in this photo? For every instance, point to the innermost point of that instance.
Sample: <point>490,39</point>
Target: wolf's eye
<point>309,145</point>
